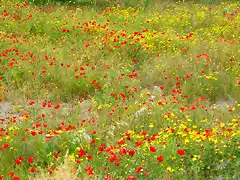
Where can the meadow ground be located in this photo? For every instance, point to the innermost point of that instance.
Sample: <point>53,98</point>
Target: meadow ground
<point>120,93</point>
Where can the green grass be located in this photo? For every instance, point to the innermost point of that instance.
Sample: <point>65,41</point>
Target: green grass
<point>78,76</point>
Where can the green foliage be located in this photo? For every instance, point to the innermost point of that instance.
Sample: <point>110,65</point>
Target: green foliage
<point>124,3</point>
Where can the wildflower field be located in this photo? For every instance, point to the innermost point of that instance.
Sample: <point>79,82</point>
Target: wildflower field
<point>120,92</point>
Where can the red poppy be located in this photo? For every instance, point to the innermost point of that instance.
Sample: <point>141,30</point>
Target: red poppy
<point>50,171</point>
<point>139,169</point>
<point>31,103</point>
<point>160,103</point>
<point>44,104</point>
<point>122,141</point>
<point>108,177</point>
<point>123,151</point>
<point>131,152</point>
<point>18,162</point>
<point>20,158</point>
<point>94,81</point>
<point>101,147</point>
<point>208,133</point>
<point>117,163</point>
<point>181,152</point>
<point>134,60</point>
<point>49,104</point>
<point>32,170</point>
<point>93,141</point>
<point>30,159</point>
<point>16,178</point>
<point>112,158</point>
<point>33,133</point>
<point>81,153</point>
<point>57,106</point>
<point>131,178</point>
<point>153,149</point>
<point>89,157</point>
<point>160,159</point>
<point>139,143</point>
<point>89,170</point>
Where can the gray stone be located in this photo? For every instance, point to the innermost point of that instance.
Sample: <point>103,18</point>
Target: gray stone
<point>5,108</point>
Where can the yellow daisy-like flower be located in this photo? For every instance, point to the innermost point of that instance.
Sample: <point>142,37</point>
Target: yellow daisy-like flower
<point>151,125</point>
<point>72,157</point>
<point>170,169</point>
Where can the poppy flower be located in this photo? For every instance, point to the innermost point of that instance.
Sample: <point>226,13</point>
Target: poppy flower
<point>112,158</point>
<point>93,141</point>
<point>117,163</point>
<point>131,152</point>
<point>57,106</point>
<point>131,178</point>
<point>44,104</point>
<point>123,151</point>
<point>139,143</point>
<point>181,152</point>
<point>160,159</point>
<point>32,170</point>
<point>18,162</point>
<point>33,133</point>
<point>89,157</point>
<point>50,171</point>
<point>134,60</point>
<point>30,159</point>
<point>153,149</point>
<point>94,81</point>
<point>31,103</point>
<point>16,178</point>
<point>108,177</point>
<point>139,169</point>
<point>81,153</point>
<point>89,170</point>
<point>20,158</point>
